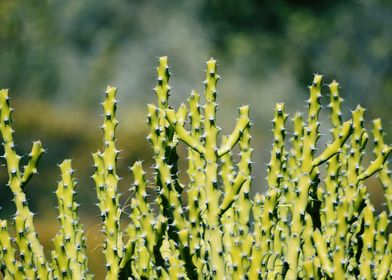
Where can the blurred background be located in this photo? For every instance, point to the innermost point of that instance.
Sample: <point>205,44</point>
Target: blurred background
<point>57,57</point>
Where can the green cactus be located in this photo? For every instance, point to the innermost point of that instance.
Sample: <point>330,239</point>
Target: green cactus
<point>30,250</point>
<point>315,221</point>
<point>106,181</point>
<point>69,256</point>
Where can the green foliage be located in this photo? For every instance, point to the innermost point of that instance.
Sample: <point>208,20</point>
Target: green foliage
<point>314,222</point>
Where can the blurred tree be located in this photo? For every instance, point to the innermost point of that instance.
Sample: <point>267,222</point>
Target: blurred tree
<point>28,39</point>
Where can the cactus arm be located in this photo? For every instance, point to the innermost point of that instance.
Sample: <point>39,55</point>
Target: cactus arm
<point>106,180</point>
<point>291,180</point>
<point>244,167</point>
<point>230,196</point>
<point>195,192</point>
<point>335,146</point>
<point>242,122</point>
<point>377,164</point>
<point>227,169</point>
<point>278,152</point>
<point>294,157</point>
<point>99,180</point>
<point>26,238</point>
<point>275,174</point>
<point>164,143</point>
<point>31,168</point>
<point>335,107</point>
<point>334,166</point>
<point>299,207</point>
<point>69,241</point>
<point>355,154</point>
<point>385,174</point>
<point>311,130</point>
<point>309,147</point>
<point>182,134</point>
<point>213,233</point>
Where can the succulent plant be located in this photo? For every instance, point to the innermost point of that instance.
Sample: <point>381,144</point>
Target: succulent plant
<point>315,221</point>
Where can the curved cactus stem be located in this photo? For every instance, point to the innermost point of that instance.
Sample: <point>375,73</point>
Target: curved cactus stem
<point>335,146</point>
<point>182,134</point>
<point>30,249</point>
<point>31,168</point>
<point>242,122</point>
<point>376,165</point>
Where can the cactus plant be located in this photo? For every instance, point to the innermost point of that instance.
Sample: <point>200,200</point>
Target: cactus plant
<point>315,221</point>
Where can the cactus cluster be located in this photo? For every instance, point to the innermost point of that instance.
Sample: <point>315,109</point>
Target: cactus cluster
<point>315,221</point>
